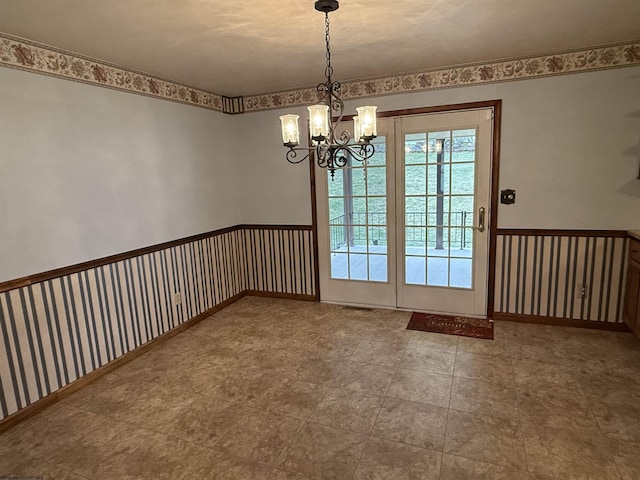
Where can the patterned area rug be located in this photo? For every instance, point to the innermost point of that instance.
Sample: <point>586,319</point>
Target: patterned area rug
<point>464,326</point>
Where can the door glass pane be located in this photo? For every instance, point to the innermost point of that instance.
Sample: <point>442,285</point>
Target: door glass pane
<point>416,148</point>
<point>438,271</point>
<point>464,176</point>
<point>377,210</point>
<point>335,186</point>
<point>376,180</point>
<point>358,219</point>
<point>336,211</point>
<point>438,186</point>
<point>357,177</point>
<point>340,265</point>
<point>415,240</point>
<point>378,268</point>
<point>440,197</point>
<point>415,180</point>
<point>416,270</point>
<point>377,240</point>
<point>379,158</point>
<point>358,269</point>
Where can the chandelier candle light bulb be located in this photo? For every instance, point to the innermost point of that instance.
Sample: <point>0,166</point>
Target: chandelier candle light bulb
<point>331,149</point>
<point>290,130</point>
<point>318,122</point>
<point>368,124</point>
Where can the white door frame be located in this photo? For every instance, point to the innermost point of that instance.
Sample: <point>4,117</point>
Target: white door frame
<point>446,299</point>
<point>492,221</point>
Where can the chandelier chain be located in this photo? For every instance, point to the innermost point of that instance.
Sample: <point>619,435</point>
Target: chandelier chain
<point>329,69</point>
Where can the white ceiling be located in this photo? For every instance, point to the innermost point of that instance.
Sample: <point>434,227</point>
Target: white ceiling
<point>241,47</point>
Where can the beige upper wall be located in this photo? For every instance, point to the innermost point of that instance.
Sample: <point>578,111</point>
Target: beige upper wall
<point>88,172</point>
<point>570,149</point>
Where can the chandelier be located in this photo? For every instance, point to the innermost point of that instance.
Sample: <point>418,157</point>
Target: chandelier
<point>331,149</point>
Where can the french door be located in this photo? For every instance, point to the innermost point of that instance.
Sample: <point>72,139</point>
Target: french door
<point>409,227</point>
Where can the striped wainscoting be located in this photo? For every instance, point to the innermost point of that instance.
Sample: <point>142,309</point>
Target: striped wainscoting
<point>569,276</point>
<point>59,326</point>
<point>282,260</point>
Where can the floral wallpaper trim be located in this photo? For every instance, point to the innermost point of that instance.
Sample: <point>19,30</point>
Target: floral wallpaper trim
<point>597,58</point>
<point>31,56</point>
<point>35,57</point>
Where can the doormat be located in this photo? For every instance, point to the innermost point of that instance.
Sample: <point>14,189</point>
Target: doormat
<point>451,325</point>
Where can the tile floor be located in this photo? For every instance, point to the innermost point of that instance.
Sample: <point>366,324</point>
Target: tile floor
<point>283,390</point>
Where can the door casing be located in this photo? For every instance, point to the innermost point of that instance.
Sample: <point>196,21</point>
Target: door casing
<point>496,105</point>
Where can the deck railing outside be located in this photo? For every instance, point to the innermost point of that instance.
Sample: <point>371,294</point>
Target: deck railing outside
<point>351,229</point>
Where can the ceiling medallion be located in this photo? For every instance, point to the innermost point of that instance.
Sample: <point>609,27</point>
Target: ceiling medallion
<point>331,149</point>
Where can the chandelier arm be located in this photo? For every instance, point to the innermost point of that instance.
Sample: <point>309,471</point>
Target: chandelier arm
<point>323,155</point>
<point>366,151</point>
<point>292,154</point>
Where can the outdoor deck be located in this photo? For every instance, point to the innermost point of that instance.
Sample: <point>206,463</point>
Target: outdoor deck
<point>432,269</point>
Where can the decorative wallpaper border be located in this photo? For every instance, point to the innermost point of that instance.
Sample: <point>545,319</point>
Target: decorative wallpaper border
<point>35,57</point>
<point>523,68</point>
<point>26,55</point>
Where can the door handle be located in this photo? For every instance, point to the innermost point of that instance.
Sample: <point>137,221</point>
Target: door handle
<point>481,213</point>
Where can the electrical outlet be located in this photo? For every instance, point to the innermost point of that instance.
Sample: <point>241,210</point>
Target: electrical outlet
<point>582,290</point>
<point>177,298</point>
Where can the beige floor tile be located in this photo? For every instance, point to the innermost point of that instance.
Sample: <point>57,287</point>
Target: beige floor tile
<point>555,406</point>
<point>19,465</point>
<point>58,429</point>
<point>424,387</point>
<point>498,346</point>
<point>365,378</point>
<point>536,375</point>
<point>435,341</point>
<point>348,410</point>
<point>627,458</point>
<point>461,468</point>
<point>201,421</point>
<point>277,474</point>
<point>378,353</point>
<point>484,398</point>
<point>488,439</point>
<point>207,465</point>
<point>397,338</point>
<point>488,368</point>
<point>120,450</point>
<point>544,352</point>
<point>428,360</point>
<point>386,460</point>
<point>314,370</point>
<point>227,399</point>
<point>413,423</point>
<point>620,422</point>
<point>322,452</point>
<point>294,398</point>
<point>568,454</point>
<point>612,387</point>
<point>247,386</point>
<point>111,393</point>
<point>260,436</point>
<point>331,346</point>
